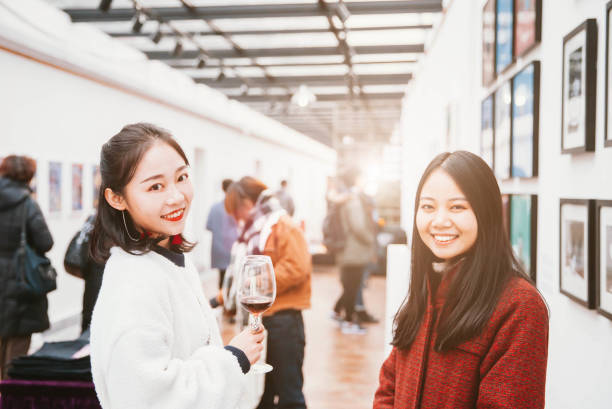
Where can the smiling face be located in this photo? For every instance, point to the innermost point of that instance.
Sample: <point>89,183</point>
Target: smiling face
<point>159,194</point>
<point>445,220</point>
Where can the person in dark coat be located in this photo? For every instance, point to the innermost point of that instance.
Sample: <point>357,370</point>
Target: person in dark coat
<point>19,318</point>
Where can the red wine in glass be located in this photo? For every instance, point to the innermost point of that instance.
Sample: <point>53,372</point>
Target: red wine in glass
<point>256,304</point>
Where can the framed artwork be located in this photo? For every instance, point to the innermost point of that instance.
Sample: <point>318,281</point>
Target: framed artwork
<point>608,111</point>
<point>578,88</point>
<point>487,138</point>
<point>55,186</point>
<point>523,230</point>
<point>603,257</point>
<point>488,42</point>
<point>77,187</point>
<point>525,121</point>
<point>96,179</point>
<point>528,25</point>
<point>576,251</point>
<point>504,24</point>
<point>503,128</point>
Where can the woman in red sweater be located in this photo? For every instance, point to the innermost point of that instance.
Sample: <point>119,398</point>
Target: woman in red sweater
<point>473,330</point>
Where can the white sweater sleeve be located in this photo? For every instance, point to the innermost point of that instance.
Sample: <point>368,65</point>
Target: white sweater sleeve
<point>141,374</point>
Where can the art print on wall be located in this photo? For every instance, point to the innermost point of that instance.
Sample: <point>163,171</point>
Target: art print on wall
<point>528,31</point>
<point>525,121</point>
<point>55,186</point>
<point>503,129</point>
<point>487,143</point>
<point>576,272</point>
<point>608,112</point>
<point>523,231</point>
<point>603,258</point>
<point>504,22</point>
<point>77,187</point>
<point>488,42</point>
<point>578,88</point>
<point>96,179</point>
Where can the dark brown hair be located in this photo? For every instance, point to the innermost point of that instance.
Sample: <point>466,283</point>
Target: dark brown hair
<point>119,159</point>
<point>484,272</point>
<point>246,188</point>
<point>18,168</point>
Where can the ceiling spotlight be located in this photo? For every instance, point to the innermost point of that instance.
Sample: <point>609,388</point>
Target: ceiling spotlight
<point>178,48</point>
<point>221,76</point>
<point>202,61</point>
<point>105,5</point>
<point>244,89</point>
<point>157,36</point>
<point>303,97</point>
<point>342,12</point>
<point>138,22</point>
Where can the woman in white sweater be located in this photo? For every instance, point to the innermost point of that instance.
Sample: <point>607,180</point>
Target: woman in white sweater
<point>155,342</point>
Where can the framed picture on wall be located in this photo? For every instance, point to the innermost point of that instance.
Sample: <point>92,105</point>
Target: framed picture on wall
<point>608,111</point>
<point>504,35</point>
<point>503,130</point>
<point>487,134</point>
<point>576,255</point>
<point>603,257</point>
<point>488,42</point>
<point>578,88</point>
<point>523,230</point>
<point>55,186</point>
<point>96,180</point>
<point>77,187</point>
<point>525,121</point>
<point>528,25</point>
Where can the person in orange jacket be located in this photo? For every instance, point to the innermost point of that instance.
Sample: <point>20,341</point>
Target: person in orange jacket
<point>269,230</point>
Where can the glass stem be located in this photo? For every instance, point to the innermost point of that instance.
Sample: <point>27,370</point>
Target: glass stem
<point>255,322</point>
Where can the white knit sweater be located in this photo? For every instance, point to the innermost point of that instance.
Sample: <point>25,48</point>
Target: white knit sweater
<point>155,342</point>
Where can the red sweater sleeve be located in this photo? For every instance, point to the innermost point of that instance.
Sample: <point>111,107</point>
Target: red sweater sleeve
<point>385,394</point>
<point>513,372</point>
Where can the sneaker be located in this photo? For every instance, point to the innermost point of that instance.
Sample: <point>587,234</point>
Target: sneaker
<point>336,316</point>
<point>352,328</point>
<point>365,318</point>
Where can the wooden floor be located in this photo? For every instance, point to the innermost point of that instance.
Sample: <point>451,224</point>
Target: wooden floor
<point>340,370</point>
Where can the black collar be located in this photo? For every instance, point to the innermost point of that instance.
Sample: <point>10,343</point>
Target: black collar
<point>176,258</point>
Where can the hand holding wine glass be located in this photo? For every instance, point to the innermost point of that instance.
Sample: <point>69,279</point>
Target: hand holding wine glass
<point>256,293</point>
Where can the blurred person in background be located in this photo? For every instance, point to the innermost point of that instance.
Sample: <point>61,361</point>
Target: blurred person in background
<point>270,231</point>
<point>19,317</point>
<point>224,233</point>
<point>285,199</point>
<point>357,252</point>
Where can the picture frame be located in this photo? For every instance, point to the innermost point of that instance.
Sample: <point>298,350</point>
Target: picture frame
<point>579,81</point>
<point>487,130</point>
<point>603,257</point>
<point>523,231</point>
<point>576,250</point>
<point>55,187</point>
<point>527,25</point>
<point>77,187</point>
<point>525,121</point>
<point>504,35</point>
<point>488,42</point>
<point>608,107</point>
<point>503,131</point>
<point>96,181</point>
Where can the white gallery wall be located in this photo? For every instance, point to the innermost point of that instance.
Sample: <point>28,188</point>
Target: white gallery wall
<point>64,91</point>
<point>442,112</point>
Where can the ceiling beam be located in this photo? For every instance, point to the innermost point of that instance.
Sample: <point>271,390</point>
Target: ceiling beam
<point>258,10</point>
<point>192,64</point>
<point>321,97</point>
<point>311,80</point>
<point>289,52</point>
<point>273,32</point>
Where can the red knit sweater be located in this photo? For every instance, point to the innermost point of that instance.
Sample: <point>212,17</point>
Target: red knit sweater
<point>504,367</point>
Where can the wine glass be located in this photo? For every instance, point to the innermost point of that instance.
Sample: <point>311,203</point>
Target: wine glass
<point>256,293</point>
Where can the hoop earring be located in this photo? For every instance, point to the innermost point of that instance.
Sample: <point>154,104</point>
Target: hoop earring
<point>126,228</point>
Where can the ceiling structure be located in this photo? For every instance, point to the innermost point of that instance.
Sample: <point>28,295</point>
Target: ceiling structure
<point>354,58</point>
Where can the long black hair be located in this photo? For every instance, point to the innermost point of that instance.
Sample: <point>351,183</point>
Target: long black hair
<point>119,159</point>
<point>484,272</point>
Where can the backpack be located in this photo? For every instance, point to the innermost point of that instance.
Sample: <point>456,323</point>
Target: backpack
<point>334,236</point>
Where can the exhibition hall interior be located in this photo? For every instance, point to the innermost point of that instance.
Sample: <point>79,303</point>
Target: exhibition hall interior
<point>412,197</point>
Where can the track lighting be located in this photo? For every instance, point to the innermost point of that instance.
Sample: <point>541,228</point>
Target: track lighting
<point>202,61</point>
<point>178,48</point>
<point>105,5</point>
<point>157,36</point>
<point>221,76</point>
<point>342,12</point>
<point>138,22</point>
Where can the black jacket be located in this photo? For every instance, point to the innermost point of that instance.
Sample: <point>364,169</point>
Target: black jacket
<point>18,316</point>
